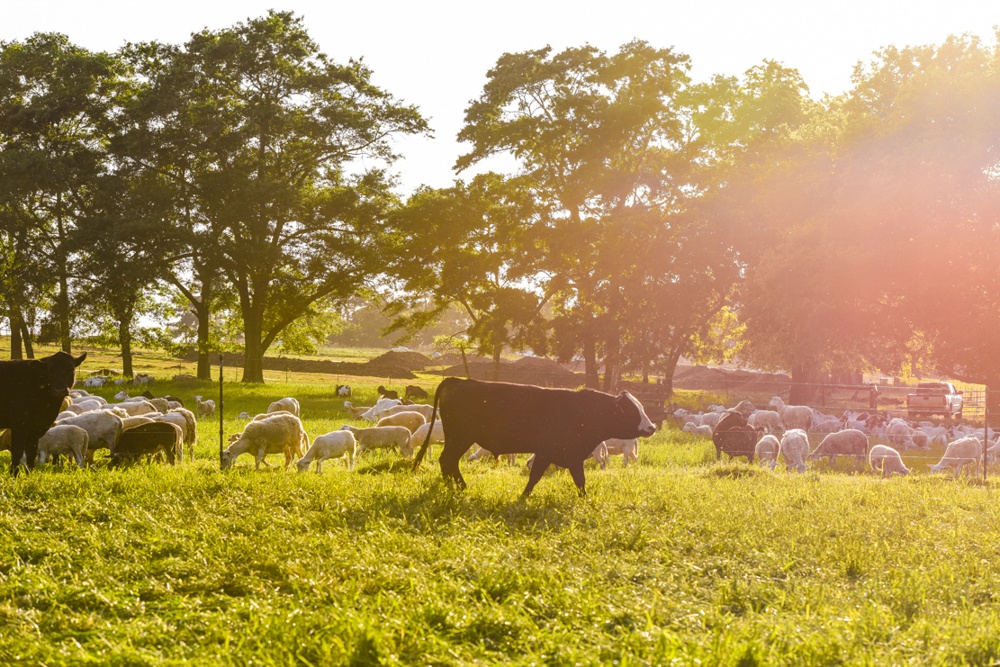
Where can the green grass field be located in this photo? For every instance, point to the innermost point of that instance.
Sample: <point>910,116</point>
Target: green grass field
<point>677,560</point>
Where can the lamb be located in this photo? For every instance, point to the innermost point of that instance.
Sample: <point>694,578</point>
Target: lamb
<point>793,416</point>
<point>104,430</point>
<point>356,412</point>
<point>147,439</point>
<point>768,420</point>
<point>381,437</point>
<point>287,404</point>
<point>767,450</point>
<point>794,447</point>
<point>628,448</point>
<point>849,442</point>
<point>64,439</point>
<point>704,430</point>
<point>421,434</point>
<point>960,454</point>
<point>886,461</point>
<point>204,408</point>
<point>330,446</point>
<point>411,420</point>
<point>277,434</point>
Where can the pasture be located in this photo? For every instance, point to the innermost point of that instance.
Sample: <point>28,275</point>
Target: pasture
<point>676,560</point>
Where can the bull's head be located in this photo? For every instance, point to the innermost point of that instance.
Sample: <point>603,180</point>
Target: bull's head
<point>632,409</point>
<point>60,372</point>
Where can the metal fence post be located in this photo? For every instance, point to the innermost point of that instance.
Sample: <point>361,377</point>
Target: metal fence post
<point>221,408</point>
<point>986,427</point>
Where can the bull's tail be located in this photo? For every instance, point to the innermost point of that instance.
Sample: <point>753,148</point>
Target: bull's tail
<point>430,431</point>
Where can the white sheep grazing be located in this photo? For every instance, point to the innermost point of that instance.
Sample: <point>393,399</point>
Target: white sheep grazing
<point>204,408</point>
<point>920,438</point>
<point>849,442</point>
<point>184,420</point>
<point>959,454</point>
<point>380,405</point>
<point>600,454</point>
<point>278,434</point>
<point>287,404</point>
<point>65,414</point>
<point>793,416</point>
<point>89,397</point>
<point>96,381</point>
<point>704,430</point>
<point>356,412</point>
<point>122,396</point>
<point>710,419</point>
<point>409,419</point>
<point>794,447</point>
<point>745,408</point>
<point>420,435</point>
<point>479,453</point>
<point>826,425</point>
<point>104,429</point>
<point>132,408</point>
<point>335,445</point>
<point>381,437</point>
<point>628,448</point>
<point>132,422</point>
<point>886,461</point>
<point>85,406</point>
<point>899,433</point>
<point>426,410</point>
<point>767,450</point>
<point>768,420</point>
<point>64,439</point>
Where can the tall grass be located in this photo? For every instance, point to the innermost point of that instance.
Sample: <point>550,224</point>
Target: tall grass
<point>675,560</point>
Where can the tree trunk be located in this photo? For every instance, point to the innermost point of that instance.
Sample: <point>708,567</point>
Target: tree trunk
<point>204,363</point>
<point>805,384</point>
<point>62,313</point>
<point>125,340</point>
<point>29,348</point>
<point>465,363</point>
<point>669,366</point>
<point>253,354</point>
<point>590,359</point>
<point>15,335</point>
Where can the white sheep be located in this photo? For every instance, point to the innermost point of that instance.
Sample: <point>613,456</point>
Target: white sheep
<point>381,437</point>
<point>132,422</point>
<point>745,408</point>
<point>333,445</point>
<point>600,454</point>
<point>426,410</point>
<point>418,437</point>
<point>794,447</point>
<point>479,453</point>
<point>184,419</point>
<point>278,434</point>
<point>64,439</point>
<point>886,461</point>
<point>628,448</point>
<point>849,442</point>
<point>411,420</point>
<point>104,429</point>
<point>959,454</point>
<point>768,420</point>
<point>204,408</point>
<point>380,404</point>
<point>89,397</point>
<point>356,411</point>
<point>287,404</point>
<point>767,450</point>
<point>133,408</point>
<point>793,416</point>
<point>920,438</point>
<point>703,430</point>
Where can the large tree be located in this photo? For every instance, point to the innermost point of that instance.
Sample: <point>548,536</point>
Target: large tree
<point>265,147</point>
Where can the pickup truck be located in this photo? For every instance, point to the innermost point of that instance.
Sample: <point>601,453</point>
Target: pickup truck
<point>934,398</point>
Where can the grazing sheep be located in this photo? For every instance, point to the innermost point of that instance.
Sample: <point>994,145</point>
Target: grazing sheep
<point>287,404</point>
<point>793,416</point>
<point>243,415</point>
<point>710,419</point>
<point>333,445</point>
<point>899,433</point>
<point>767,420</point>
<point>920,438</point>
<point>421,433</point>
<point>409,419</point>
<point>960,454</point>
<point>64,439</point>
<point>886,461</point>
<point>132,422</point>
<point>204,408</point>
<point>185,421</point>
<point>704,430</point>
<point>426,410</point>
<point>147,439</point>
<point>745,408</point>
<point>849,442</point>
<point>795,447</point>
<point>387,393</point>
<point>767,450</point>
<point>601,455</point>
<point>380,405</point>
<point>66,414</point>
<point>356,412</point>
<point>133,408</point>
<point>826,425</point>
<point>481,453</point>
<point>278,434</point>
<point>628,448</point>
<point>381,437</point>
<point>104,430</point>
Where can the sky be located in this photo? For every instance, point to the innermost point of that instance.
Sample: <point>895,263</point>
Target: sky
<point>435,53</point>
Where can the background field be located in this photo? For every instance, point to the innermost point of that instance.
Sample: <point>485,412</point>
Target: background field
<point>676,560</point>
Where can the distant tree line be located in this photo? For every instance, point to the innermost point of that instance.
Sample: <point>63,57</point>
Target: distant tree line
<point>238,187</point>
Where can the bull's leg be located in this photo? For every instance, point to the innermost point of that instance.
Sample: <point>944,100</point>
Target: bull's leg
<point>451,454</point>
<point>576,470</point>
<point>538,469</point>
<point>17,444</point>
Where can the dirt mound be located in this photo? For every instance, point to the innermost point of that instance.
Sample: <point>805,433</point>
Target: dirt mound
<point>702,377</point>
<point>527,370</point>
<point>382,366</point>
<point>412,361</point>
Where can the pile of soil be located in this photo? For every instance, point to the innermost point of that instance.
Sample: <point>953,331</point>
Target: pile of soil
<point>528,370</point>
<point>702,377</point>
<point>390,365</point>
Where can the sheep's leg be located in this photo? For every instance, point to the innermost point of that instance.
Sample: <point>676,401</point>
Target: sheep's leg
<point>319,466</point>
<point>538,469</point>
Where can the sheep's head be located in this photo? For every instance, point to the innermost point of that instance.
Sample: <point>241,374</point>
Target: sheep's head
<point>302,465</point>
<point>227,460</point>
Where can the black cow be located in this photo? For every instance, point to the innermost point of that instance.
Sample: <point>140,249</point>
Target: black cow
<point>31,394</point>
<point>558,426</point>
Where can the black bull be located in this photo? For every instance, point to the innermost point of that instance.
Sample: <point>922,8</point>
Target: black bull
<point>558,426</point>
<point>31,393</point>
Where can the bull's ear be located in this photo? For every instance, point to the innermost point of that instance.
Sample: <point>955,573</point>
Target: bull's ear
<point>79,360</point>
